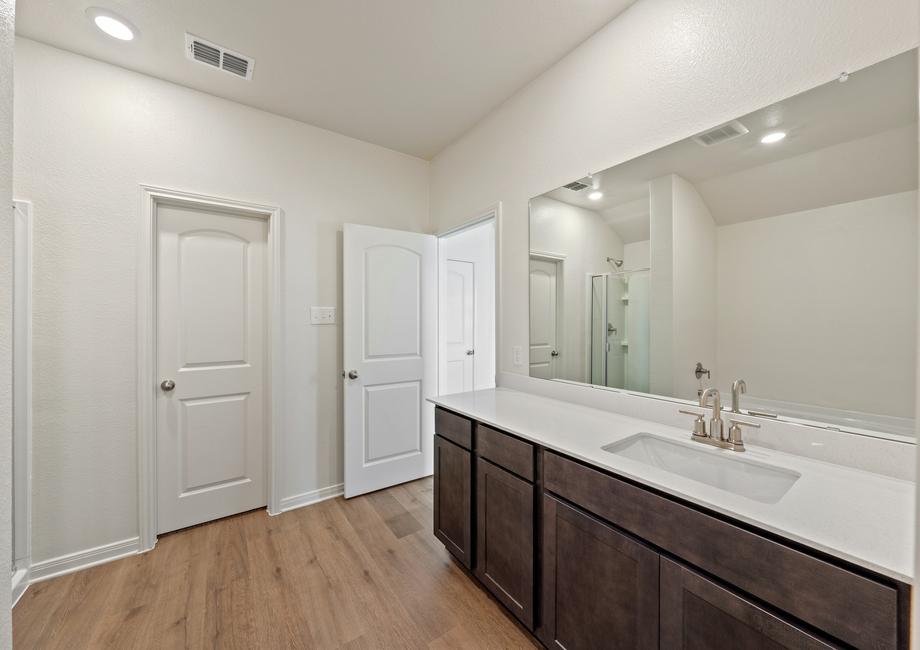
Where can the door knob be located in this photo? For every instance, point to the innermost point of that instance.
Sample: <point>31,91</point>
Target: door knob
<point>167,385</point>
<point>470,353</point>
<point>554,354</point>
<point>352,374</point>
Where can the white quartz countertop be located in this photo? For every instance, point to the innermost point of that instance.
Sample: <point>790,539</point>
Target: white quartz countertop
<point>858,516</point>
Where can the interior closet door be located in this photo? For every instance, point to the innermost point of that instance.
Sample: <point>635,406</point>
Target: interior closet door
<point>211,360</point>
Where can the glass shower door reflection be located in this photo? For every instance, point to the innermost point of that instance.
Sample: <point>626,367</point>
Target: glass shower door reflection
<point>619,343</point>
<point>599,330</point>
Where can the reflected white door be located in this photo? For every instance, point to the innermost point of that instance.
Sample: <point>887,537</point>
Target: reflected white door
<point>543,314</point>
<point>458,318</point>
<point>390,282</point>
<point>211,340</point>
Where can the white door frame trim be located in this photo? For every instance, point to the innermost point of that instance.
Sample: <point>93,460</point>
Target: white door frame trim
<point>150,197</point>
<point>22,405</point>
<point>493,212</point>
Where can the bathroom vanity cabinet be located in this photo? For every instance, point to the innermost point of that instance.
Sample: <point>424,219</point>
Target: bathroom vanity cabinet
<point>587,559</point>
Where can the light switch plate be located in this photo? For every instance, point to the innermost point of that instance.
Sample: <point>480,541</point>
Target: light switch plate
<point>322,315</point>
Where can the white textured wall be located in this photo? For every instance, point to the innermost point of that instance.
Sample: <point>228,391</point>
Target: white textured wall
<point>636,255</point>
<point>661,285</point>
<point>695,289</point>
<point>915,605</point>
<point>840,316</point>
<point>662,71</point>
<point>87,134</point>
<point>6,302</point>
<point>586,240</point>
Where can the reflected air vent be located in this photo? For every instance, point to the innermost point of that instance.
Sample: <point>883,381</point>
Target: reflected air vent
<point>216,56</point>
<point>576,186</point>
<point>205,53</point>
<point>721,134</point>
<point>237,65</point>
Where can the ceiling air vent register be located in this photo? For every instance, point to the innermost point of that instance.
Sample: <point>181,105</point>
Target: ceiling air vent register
<point>216,56</point>
<point>723,133</point>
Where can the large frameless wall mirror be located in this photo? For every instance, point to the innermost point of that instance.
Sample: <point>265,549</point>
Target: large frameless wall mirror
<point>779,248</point>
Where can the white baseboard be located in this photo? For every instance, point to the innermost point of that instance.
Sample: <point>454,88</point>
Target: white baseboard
<point>79,560</point>
<point>309,498</point>
<point>64,564</point>
<point>20,584</point>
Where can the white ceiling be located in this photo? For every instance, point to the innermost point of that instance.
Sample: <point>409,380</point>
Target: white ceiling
<point>846,141</point>
<point>411,75</point>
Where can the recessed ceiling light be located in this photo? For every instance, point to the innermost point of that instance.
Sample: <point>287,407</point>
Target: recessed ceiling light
<point>770,138</point>
<point>595,195</point>
<point>112,24</point>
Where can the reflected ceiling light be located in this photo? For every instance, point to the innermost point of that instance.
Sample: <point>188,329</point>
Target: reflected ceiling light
<point>595,184</point>
<point>770,138</point>
<point>112,24</point>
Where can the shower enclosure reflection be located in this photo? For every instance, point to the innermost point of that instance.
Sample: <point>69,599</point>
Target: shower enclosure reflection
<point>619,329</point>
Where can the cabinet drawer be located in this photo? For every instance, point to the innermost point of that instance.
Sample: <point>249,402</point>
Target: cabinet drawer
<point>855,609</point>
<point>514,455</point>
<point>455,428</point>
<point>698,613</point>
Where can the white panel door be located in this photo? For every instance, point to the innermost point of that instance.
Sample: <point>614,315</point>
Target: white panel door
<point>543,311</point>
<point>211,342</point>
<point>390,354</point>
<point>458,321</point>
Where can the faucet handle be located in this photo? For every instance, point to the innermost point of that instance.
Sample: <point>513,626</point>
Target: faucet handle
<point>742,423</point>
<point>697,413</point>
<point>699,425</point>
<point>734,433</point>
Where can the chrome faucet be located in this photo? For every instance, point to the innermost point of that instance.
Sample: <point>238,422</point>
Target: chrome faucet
<point>716,434</point>
<point>739,388</point>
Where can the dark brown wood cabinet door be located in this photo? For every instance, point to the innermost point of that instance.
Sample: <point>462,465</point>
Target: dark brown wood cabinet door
<point>860,611</point>
<point>505,537</point>
<point>600,587</point>
<point>453,467</point>
<point>698,614</point>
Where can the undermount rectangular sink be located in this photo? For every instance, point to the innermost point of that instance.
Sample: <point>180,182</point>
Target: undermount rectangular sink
<point>741,476</point>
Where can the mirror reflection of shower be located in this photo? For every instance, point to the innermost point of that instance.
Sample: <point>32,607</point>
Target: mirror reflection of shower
<point>619,338</point>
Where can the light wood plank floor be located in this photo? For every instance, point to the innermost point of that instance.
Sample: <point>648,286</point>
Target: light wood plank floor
<point>363,573</point>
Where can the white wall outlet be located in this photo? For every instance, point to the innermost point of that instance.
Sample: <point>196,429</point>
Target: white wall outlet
<point>517,355</point>
<point>322,315</point>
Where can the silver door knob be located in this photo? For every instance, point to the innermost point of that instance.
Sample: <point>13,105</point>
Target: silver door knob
<point>352,374</point>
<point>554,354</point>
<point>167,385</point>
<point>470,353</point>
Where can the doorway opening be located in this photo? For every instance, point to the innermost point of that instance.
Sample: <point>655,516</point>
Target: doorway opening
<point>467,307</point>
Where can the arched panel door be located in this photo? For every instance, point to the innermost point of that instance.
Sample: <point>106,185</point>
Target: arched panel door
<point>390,353</point>
<point>211,356</point>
